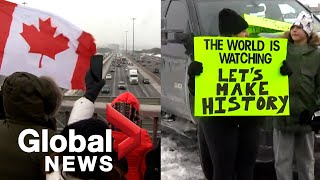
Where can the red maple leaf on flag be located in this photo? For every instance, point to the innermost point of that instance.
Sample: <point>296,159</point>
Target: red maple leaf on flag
<point>43,41</point>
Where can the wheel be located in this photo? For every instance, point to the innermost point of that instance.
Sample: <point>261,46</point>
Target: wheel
<point>204,154</point>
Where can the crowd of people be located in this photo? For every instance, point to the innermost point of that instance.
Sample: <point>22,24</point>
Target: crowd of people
<point>31,102</point>
<point>233,141</point>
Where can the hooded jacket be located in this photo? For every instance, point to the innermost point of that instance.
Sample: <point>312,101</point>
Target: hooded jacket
<point>304,84</point>
<point>83,109</point>
<point>137,158</point>
<point>28,102</point>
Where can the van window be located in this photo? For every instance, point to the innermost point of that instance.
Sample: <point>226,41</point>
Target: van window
<point>281,10</point>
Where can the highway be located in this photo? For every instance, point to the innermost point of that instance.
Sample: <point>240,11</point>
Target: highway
<point>150,63</point>
<point>140,90</point>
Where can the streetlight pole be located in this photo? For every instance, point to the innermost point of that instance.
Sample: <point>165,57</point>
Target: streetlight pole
<point>126,42</point>
<point>133,38</point>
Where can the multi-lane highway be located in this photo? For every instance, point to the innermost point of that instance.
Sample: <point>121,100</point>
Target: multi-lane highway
<point>120,74</point>
<point>150,63</point>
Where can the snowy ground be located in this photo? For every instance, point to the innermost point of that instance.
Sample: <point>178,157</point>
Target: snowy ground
<point>180,160</point>
<point>179,156</point>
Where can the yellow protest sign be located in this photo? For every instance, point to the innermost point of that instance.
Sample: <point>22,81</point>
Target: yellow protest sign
<point>241,77</point>
<point>256,30</point>
<point>267,23</point>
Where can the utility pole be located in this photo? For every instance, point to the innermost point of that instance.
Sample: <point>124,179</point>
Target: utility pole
<point>24,3</point>
<point>126,42</point>
<point>133,39</point>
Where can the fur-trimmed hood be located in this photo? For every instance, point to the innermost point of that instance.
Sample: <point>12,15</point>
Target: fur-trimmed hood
<point>314,41</point>
<point>29,98</point>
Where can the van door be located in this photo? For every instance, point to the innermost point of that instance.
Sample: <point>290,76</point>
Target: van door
<point>175,55</point>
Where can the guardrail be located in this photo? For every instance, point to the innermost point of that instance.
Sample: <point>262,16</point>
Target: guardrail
<point>149,113</point>
<point>109,99</point>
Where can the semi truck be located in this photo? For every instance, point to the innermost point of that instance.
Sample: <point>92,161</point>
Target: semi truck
<point>133,76</point>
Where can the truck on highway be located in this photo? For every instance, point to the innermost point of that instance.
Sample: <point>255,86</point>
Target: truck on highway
<point>133,76</point>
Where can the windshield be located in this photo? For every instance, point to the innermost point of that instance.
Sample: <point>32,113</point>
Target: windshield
<point>280,10</point>
<point>133,75</point>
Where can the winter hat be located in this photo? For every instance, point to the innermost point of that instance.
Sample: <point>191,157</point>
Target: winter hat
<point>231,23</point>
<point>27,97</point>
<point>305,21</point>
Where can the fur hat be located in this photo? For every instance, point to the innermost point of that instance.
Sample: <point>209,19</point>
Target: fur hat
<point>305,21</point>
<point>27,97</point>
<point>231,23</point>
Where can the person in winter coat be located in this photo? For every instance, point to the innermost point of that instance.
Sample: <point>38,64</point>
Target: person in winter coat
<point>82,122</point>
<point>293,138</point>
<point>87,128</point>
<point>29,103</point>
<point>128,105</point>
<point>232,141</point>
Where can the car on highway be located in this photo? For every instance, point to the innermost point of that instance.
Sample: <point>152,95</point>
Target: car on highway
<point>146,81</point>
<point>111,69</point>
<point>105,89</point>
<point>121,85</point>
<point>108,76</point>
<point>155,70</point>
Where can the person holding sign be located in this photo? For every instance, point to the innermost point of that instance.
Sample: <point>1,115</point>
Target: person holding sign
<point>232,141</point>
<point>293,137</point>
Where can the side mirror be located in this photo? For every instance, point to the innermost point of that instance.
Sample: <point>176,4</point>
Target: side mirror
<point>171,35</point>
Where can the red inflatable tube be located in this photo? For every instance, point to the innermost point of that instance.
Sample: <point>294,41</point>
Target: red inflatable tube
<point>126,126</point>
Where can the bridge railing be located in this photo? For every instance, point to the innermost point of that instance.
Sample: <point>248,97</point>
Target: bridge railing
<point>149,111</point>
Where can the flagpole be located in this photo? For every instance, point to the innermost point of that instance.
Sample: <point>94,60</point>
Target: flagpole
<point>133,38</point>
<point>126,42</point>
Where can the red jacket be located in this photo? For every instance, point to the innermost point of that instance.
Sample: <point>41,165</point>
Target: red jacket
<point>136,159</point>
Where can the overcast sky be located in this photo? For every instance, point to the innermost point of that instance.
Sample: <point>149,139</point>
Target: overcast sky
<point>107,20</point>
<point>312,3</point>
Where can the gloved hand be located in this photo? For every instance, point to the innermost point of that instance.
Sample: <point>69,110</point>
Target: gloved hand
<point>93,86</point>
<point>285,70</point>
<point>315,121</point>
<point>195,69</point>
<point>305,117</point>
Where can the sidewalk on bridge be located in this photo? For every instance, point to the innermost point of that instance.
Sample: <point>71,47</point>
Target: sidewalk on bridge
<point>144,74</point>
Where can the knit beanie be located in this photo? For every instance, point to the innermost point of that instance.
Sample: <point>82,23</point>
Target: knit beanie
<point>231,23</point>
<point>305,21</point>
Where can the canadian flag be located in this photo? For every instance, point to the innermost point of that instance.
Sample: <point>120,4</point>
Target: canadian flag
<point>42,43</point>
